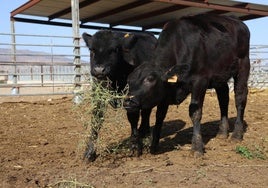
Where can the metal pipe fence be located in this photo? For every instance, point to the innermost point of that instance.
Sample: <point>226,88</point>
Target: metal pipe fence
<point>40,65</point>
<point>44,65</point>
<point>259,67</point>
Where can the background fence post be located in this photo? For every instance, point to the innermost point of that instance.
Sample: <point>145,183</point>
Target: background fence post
<point>15,88</point>
<point>76,41</point>
<point>42,75</point>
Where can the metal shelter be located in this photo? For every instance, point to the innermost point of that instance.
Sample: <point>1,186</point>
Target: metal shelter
<point>137,15</point>
<point>143,14</point>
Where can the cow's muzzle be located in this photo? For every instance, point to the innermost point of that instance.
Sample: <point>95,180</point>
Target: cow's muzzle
<point>131,103</point>
<point>99,72</point>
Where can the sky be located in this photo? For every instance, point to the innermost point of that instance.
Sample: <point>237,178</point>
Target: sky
<point>258,27</point>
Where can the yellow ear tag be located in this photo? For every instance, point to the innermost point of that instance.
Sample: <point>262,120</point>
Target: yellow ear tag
<point>126,35</point>
<point>173,79</point>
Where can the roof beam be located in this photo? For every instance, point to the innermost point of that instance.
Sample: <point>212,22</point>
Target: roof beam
<point>54,23</point>
<point>43,22</point>
<point>218,12</point>
<point>69,9</point>
<point>249,17</point>
<point>116,10</point>
<point>148,15</point>
<point>241,5</point>
<point>208,5</point>
<point>24,7</point>
<point>158,12</point>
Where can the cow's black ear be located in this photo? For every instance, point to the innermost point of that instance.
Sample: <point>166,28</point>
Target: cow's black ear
<point>128,41</point>
<point>88,39</point>
<point>128,45</point>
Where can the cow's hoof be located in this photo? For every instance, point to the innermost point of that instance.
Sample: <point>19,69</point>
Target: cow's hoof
<point>197,145</point>
<point>153,150</point>
<point>136,150</point>
<point>235,140</point>
<point>90,153</point>
<point>237,136</point>
<point>197,154</point>
<point>90,157</point>
<point>135,153</point>
<point>222,136</point>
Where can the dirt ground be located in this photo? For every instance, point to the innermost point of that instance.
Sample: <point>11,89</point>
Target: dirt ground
<point>41,146</point>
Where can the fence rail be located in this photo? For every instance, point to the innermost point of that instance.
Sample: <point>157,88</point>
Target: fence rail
<point>40,64</point>
<point>44,65</point>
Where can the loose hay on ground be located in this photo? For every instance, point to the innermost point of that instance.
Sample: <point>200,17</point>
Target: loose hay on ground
<point>96,114</point>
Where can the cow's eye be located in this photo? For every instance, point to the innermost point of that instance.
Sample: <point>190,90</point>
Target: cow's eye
<point>149,79</point>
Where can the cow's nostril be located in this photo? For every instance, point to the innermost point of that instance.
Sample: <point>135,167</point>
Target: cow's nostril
<point>99,69</point>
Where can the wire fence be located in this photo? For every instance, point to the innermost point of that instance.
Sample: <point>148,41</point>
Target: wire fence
<point>44,65</point>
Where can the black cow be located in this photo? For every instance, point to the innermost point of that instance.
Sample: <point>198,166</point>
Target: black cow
<point>193,54</point>
<point>113,56</point>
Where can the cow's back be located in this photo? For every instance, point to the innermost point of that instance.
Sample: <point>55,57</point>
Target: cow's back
<point>232,26</point>
<point>203,44</point>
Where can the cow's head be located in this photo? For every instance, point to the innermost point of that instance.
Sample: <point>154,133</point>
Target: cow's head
<point>146,88</point>
<point>109,51</point>
<point>104,53</point>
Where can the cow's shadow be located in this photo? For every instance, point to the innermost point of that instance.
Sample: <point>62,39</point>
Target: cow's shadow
<point>173,135</point>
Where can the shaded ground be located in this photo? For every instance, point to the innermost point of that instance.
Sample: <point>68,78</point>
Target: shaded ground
<point>42,145</point>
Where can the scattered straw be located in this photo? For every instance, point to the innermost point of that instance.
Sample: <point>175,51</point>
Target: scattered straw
<point>101,121</point>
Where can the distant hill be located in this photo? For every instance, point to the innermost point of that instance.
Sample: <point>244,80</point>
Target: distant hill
<point>28,64</point>
<point>29,56</point>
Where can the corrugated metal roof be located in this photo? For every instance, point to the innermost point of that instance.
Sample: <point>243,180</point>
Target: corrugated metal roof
<point>146,14</point>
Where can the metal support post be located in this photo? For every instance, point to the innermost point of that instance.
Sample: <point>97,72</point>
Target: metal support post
<point>15,89</point>
<point>76,41</point>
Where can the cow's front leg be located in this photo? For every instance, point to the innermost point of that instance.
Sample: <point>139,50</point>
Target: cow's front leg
<point>136,141</point>
<point>90,152</point>
<point>96,124</point>
<point>144,128</point>
<point>195,113</point>
<point>160,116</point>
